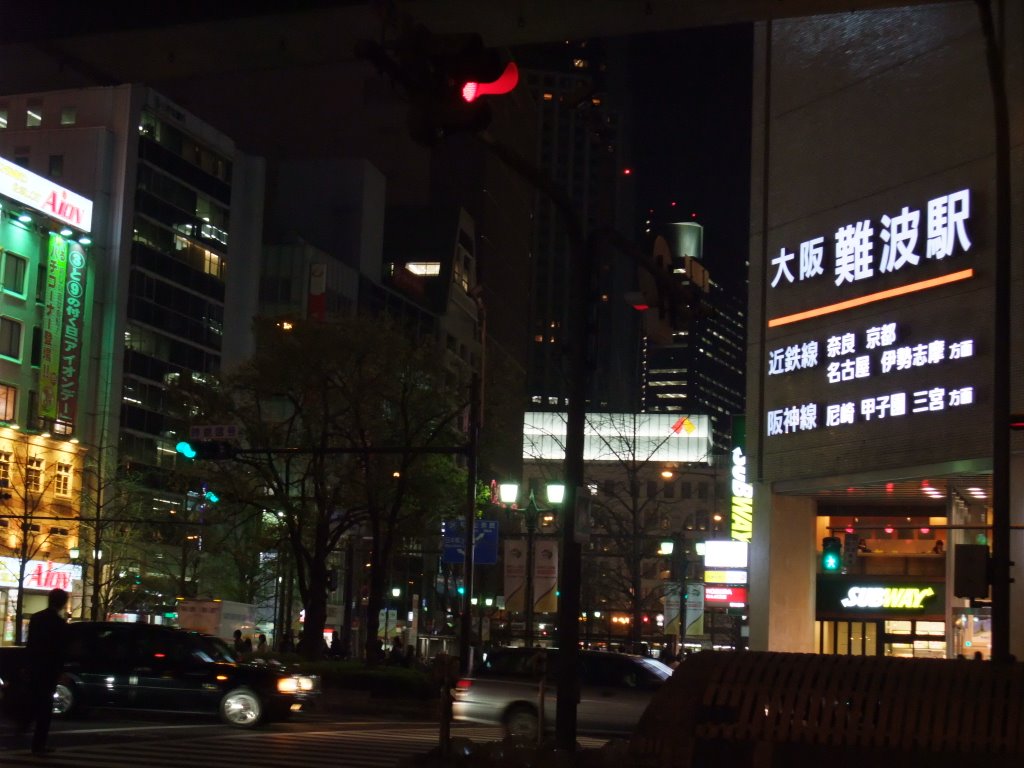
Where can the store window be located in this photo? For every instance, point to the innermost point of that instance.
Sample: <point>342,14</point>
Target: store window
<point>847,638</point>
<point>34,474</point>
<point>34,113</point>
<point>915,639</point>
<point>62,480</point>
<point>10,338</point>
<point>8,402</point>
<point>15,268</point>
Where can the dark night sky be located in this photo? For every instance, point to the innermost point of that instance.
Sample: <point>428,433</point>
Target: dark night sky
<point>691,116</point>
<point>692,135</point>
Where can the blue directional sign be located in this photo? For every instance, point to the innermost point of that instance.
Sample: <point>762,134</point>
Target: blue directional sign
<point>485,539</point>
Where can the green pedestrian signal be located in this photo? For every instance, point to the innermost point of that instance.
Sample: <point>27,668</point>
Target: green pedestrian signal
<point>207,450</point>
<point>831,554</point>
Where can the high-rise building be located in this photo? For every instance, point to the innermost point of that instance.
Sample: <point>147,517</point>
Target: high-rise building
<point>698,365</point>
<point>174,200</point>
<point>580,149</point>
<point>120,212</point>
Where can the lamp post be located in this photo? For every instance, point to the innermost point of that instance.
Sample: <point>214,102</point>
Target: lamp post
<point>480,603</point>
<point>508,492</point>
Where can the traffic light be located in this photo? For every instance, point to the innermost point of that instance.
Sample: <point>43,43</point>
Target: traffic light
<point>207,450</point>
<point>831,554</point>
<point>971,577</point>
<point>445,77</point>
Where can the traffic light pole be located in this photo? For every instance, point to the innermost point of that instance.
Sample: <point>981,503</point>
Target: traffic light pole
<point>1001,565</point>
<point>466,628</point>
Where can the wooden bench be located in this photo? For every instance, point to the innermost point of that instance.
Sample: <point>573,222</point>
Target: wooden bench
<point>733,709</point>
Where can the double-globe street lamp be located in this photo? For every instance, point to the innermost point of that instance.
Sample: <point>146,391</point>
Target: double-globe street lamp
<point>509,493</point>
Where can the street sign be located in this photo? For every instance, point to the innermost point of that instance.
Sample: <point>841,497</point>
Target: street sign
<point>485,539</point>
<point>214,432</point>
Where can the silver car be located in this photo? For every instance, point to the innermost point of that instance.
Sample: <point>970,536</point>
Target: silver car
<point>512,686</point>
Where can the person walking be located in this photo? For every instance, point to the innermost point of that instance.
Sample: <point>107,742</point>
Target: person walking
<point>45,649</point>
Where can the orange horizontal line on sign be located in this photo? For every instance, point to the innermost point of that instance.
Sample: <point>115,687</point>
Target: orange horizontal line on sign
<point>890,293</point>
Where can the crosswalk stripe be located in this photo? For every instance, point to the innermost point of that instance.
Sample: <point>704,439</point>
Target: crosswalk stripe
<point>364,747</point>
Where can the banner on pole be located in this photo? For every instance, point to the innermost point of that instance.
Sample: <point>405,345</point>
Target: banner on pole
<point>694,610</point>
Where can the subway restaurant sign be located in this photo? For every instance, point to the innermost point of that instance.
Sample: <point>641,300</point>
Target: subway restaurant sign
<point>63,330</point>
<point>741,520</point>
<point>887,597</point>
<point>837,597</point>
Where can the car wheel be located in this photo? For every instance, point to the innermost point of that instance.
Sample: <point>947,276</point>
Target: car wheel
<point>65,699</point>
<point>521,722</point>
<point>241,707</point>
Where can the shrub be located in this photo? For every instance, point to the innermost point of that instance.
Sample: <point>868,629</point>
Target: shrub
<point>381,681</point>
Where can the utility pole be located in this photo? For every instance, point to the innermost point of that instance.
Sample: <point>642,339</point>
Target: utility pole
<point>466,628</point>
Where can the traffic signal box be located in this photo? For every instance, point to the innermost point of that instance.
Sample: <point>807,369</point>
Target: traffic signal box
<point>971,571</point>
<point>207,450</point>
<point>831,554</point>
<point>460,71</point>
<point>447,78</point>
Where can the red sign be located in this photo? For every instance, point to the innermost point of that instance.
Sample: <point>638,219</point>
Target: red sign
<point>714,594</point>
<point>47,578</point>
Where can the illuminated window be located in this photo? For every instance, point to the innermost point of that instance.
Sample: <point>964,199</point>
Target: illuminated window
<point>5,469</point>
<point>8,402</point>
<point>212,263</point>
<point>3,118</point>
<point>62,480</point>
<point>34,474</point>
<point>68,115</point>
<point>548,96</point>
<point>424,268</point>
<point>10,338</point>
<point>34,113</point>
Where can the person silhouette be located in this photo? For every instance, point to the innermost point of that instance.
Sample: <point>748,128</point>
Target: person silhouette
<point>45,649</point>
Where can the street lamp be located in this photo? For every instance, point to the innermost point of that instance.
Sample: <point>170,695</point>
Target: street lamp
<point>508,492</point>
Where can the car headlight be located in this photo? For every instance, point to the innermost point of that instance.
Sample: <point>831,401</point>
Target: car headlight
<point>297,683</point>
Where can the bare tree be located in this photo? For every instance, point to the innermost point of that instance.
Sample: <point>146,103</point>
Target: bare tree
<point>346,425</point>
<point>110,526</point>
<point>630,508</point>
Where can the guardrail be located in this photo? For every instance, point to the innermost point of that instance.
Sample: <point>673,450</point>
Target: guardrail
<point>764,710</point>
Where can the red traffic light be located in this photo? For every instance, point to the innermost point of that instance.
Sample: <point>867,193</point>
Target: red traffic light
<point>505,83</point>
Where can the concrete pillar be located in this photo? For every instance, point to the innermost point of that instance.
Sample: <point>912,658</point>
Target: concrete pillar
<point>783,565</point>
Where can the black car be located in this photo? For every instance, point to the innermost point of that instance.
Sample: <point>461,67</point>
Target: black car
<point>144,666</point>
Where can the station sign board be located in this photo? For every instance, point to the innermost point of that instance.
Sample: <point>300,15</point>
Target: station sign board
<point>876,332</point>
